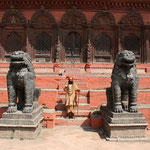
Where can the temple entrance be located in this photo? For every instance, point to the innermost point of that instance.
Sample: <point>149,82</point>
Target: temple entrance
<point>103,37</point>
<point>73,33</point>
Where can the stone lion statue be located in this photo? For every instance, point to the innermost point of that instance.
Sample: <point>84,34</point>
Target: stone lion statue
<point>125,82</point>
<point>21,84</point>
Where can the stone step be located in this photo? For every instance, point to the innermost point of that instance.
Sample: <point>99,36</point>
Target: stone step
<point>78,121</point>
<point>81,106</point>
<point>82,99</point>
<point>47,68</point>
<point>72,70</point>
<point>22,119</point>
<point>125,120</point>
<point>122,118</point>
<point>76,74</point>
<point>83,93</point>
<point>79,113</point>
<point>20,115</point>
<point>81,85</point>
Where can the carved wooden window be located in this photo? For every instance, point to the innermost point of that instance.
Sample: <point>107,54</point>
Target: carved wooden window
<point>43,43</point>
<point>73,44</point>
<point>13,42</point>
<point>102,45</point>
<point>132,42</point>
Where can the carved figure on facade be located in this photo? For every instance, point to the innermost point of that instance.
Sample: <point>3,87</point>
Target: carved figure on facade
<point>21,84</point>
<point>89,51</point>
<point>58,49</point>
<point>125,82</point>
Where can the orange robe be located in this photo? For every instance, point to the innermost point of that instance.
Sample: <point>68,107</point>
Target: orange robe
<point>71,97</point>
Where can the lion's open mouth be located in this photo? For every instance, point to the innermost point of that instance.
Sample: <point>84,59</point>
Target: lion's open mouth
<point>17,59</point>
<point>128,61</point>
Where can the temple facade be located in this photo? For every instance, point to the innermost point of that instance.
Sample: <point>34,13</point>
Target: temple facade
<point>75,31</point>
<point>78,38</point>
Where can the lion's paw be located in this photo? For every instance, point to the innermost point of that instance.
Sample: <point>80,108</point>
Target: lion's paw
<point>27,109</point>
<point>125,107</point>
<point>12,109</point>
<point>133,109</point>
<point>118,109</point>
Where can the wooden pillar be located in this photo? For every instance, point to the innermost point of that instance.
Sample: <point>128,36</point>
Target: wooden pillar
<point>147,45</point>
<point>2,50</point>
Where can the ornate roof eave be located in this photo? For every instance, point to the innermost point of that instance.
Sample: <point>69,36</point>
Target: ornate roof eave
<point>79,4</point>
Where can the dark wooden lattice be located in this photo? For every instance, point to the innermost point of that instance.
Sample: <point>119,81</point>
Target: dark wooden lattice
<point>102,44</point>
<point>73,44</point>
<point>132,42</point>
<point>43,43</point>
<point>13,42</point>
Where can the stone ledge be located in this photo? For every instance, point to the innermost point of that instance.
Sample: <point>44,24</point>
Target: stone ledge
<point>127,139</point>
<point>125,126</point>
<point>21,125</point>
<point>20,119</point>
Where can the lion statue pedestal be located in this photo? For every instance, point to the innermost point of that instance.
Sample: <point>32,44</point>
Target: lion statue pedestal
<point>23,119</point>
<point>121,119</point>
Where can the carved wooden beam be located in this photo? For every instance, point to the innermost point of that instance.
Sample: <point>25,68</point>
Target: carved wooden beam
<point>81,4</point>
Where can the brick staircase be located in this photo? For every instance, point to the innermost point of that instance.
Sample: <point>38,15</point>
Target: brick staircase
<point>82,112</point>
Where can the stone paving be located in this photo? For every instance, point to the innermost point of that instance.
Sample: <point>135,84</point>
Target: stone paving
<point>71,138</point>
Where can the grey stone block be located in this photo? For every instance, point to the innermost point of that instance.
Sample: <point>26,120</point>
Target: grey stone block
<point>21,125</point>
<point>124,126</point>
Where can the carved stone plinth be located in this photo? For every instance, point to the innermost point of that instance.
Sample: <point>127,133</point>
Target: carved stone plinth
<point>124,126</point>
<point>21,125</point>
